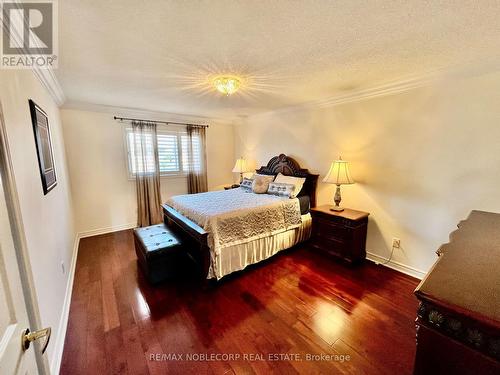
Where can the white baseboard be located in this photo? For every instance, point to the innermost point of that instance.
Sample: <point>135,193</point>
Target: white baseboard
<point>408,270</point>
<point>115,228</point>
<point>63,322</point>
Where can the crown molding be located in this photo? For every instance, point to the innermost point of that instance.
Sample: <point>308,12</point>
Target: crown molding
<point>47,76</point>
<point>458,71</point>
<point>389,88</point>
<point>49,80</point>
<point>401,85</point>
<point>397,86</point>
<point>143,113</point>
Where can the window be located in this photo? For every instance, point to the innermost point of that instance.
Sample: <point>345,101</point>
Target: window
<point>172,152</point>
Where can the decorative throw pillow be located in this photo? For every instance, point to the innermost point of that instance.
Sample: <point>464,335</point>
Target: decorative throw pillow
<point>246,184</point>
<point>267,177</point>
<point>260,184</point>
<point>297,181</point>
<point>280,189</point>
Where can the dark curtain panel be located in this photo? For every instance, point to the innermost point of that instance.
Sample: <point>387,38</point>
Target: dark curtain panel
<point>147,174</point>
<point>197,159</point>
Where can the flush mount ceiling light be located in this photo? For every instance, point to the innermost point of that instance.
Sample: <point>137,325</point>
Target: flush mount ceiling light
<point>227,85</point>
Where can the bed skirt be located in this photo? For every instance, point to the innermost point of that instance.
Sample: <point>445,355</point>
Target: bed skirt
<point>237,257</point>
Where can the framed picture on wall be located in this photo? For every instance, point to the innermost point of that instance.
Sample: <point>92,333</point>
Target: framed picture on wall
<point>43,147</point>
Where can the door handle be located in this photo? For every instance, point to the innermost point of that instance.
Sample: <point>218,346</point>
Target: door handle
<point>29,337</point>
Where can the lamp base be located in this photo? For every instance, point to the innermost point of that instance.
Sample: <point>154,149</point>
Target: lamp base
<point>337,200</point>
<point>337,209</point>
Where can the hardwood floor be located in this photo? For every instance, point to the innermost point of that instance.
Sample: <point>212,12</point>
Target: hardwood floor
<point>295,304</point>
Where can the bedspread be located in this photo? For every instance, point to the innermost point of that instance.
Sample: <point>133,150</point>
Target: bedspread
<point>234,216</point>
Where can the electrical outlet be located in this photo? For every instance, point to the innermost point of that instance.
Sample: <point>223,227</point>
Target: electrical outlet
<point>63,267</point>
<point>396,243</point>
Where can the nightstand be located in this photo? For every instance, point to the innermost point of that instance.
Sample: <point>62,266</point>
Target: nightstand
<point>234,186</point>
<point>341,234</point>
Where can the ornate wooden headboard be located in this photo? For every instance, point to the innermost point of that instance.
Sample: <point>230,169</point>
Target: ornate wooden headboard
<point>289,167</point>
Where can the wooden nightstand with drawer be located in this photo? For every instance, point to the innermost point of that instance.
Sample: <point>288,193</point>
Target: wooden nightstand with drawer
<point>341,234</point>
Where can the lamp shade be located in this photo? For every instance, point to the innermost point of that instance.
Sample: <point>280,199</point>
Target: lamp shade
<point>240,166</point>
<point>339,173</point>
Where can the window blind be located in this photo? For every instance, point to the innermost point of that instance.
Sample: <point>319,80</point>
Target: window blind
<point>196,162</point>
<point>172,152</point>
<point>168,153</point>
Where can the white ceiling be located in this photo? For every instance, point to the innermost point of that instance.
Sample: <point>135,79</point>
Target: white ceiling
<point>159,55</point>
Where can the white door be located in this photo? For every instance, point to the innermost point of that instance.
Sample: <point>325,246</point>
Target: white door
<point>13,311</point>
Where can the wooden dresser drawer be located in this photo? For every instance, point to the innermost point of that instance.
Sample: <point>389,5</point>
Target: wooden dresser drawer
<point>341,234</point>
<point>322,227</point>
<point>329,244</point>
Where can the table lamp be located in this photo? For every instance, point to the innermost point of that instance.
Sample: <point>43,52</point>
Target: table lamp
<point>338,175</point>
<point>240,167</point>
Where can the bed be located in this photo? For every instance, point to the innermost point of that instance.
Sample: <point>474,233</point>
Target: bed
<point>227,230</point>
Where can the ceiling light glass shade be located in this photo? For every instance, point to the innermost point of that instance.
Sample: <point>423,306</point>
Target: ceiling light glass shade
<point>227,85</point>
<point>339,173</point>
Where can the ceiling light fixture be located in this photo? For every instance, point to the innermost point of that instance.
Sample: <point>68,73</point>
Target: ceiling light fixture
<point>226,84</point>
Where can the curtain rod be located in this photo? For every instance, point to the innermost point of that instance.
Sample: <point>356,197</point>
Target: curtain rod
<point>158,122</point>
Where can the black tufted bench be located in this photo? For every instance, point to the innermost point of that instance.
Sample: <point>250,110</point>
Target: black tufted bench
<point>159,252</point>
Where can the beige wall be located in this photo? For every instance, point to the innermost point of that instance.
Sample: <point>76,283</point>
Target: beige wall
<point>423,159</point>
<point>47,220</point>
<point>104,195</point>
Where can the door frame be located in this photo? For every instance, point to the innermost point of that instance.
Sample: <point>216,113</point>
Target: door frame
<point>20,245</point>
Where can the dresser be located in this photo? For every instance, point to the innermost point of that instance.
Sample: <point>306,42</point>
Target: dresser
<point>340,234</point>
<point>458,319</point>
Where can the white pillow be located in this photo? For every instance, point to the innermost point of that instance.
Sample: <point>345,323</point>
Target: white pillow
<point>297,181</point>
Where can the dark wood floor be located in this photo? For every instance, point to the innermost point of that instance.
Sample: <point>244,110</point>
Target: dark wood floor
<point>296,303</point>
